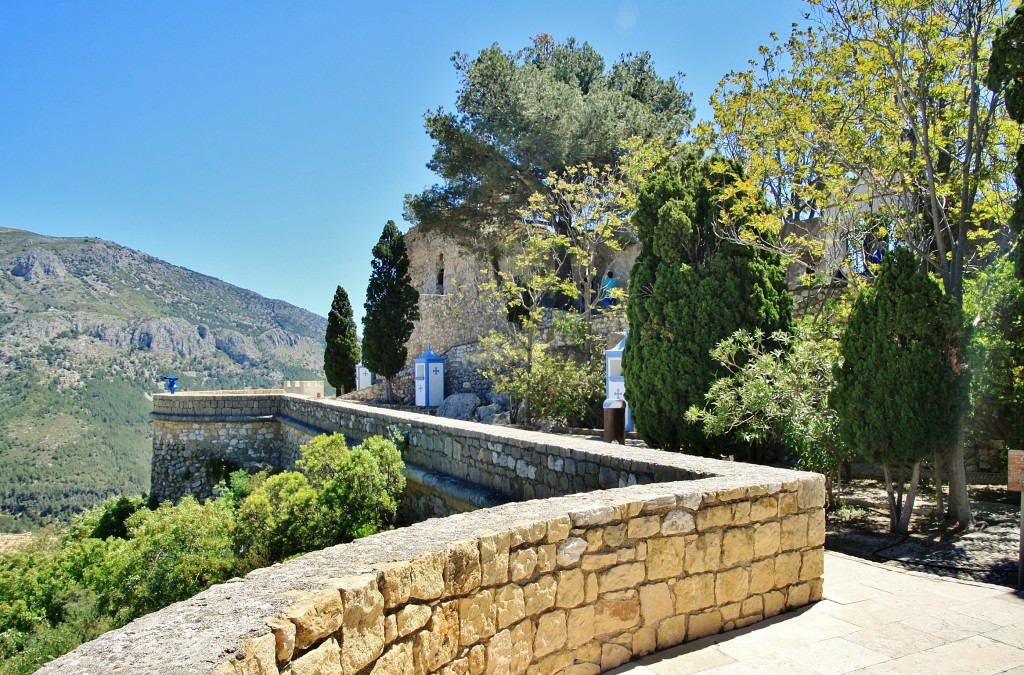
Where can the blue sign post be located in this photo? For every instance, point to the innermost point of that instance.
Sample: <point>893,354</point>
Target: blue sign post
<point>615,381</point>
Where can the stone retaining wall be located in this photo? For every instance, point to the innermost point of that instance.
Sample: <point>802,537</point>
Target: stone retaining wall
<point>572,584</point>
<point>189,432</point>
<point>567,585</point>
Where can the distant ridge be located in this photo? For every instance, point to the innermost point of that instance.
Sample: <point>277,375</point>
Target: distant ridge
<point>87,327</point>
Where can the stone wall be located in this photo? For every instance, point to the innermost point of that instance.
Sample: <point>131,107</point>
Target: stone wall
<point>571,584</point>
<point>577,584</point>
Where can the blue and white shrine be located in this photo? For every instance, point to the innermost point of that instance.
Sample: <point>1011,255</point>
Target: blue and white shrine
<point>364,378</point>
<point>429,379</point>
<point>615,381</point>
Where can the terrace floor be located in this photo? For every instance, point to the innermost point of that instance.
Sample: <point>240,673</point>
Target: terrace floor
<point>873,619</point>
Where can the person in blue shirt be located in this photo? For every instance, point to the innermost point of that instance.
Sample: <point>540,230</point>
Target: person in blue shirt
<point>607,285</point>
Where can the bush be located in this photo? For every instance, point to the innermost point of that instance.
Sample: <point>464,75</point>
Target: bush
<point>119,560</point>
<point>776,392</point>
<point>689,290</point>
<point>901,390</point>
<point>336,495</point>
<point>174,552</point>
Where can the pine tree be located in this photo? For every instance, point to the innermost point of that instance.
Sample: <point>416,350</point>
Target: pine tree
<point>900,393</point>
<point>342,352</point>
<point>688,291</point>
<point>392,305</point>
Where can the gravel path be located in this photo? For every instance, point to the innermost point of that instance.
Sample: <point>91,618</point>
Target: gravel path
<point>988,553</point>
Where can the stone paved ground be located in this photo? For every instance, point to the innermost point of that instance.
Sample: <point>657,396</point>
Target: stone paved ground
<point>874,618</point>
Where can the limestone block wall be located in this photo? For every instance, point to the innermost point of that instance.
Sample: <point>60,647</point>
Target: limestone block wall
<point>660,548</point>
<point>575,584</point>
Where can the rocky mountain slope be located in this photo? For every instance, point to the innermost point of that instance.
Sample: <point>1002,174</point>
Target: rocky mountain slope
<point>87,327</point>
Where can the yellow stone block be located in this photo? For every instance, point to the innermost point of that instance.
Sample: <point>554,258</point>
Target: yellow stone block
<point>694,592</point>
<point>732,585</point>
<point>794,532</point>
<point>762,576</point>
<point>737,546</point>
<point>613,656</point>
<point>671,632</point>
<point>664,558</point>
<point>655,603</point>
<point>629,575</point>
<point>616,612</point>
<point>324,659</point>
<point>645,527</point>
<point>767,539</point>
<point>571,591</point>
<point>551,633</point>
<point>476,618</point>
<point>494,552</point>
<point>579,627</point>
<point>522,564</point>
<point>540,595</point>
<point>703,624</point>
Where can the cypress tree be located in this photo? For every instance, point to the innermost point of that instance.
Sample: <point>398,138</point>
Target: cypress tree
<point>900,392</point>
<point>342,352</point>
<point>688,290</point>
<point>392,305</point>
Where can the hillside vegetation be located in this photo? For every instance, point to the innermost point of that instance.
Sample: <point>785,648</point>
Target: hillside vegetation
<point>87,327</point>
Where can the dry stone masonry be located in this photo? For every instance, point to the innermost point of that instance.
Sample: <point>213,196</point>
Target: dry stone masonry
<point>630,552</point>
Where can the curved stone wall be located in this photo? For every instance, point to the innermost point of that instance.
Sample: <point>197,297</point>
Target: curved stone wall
<point>569,584</point>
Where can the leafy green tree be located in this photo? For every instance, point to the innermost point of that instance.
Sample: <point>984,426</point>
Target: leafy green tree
<point>902,387</point>
<point>688,291</point>
<point>776,391</point>
<point>336,495</point>
<point>523,115</point>
<point>1006,76</point>
<point>994,297</point>
<point>173,553</point>
<point>999,338</point>
<point>392,305</point>
<point>874,112</point>
<point>342,352</point>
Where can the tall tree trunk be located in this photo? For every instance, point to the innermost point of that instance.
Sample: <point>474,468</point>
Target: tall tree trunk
<point>890,496</point>
<point>959,499</point>
<point>903,525</point>
<point>387,390</point>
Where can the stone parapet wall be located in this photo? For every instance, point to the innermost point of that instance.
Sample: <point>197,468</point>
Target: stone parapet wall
<point>575,584</point>
<point>572,584</point>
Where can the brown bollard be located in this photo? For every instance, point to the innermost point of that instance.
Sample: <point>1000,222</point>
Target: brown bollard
<point>615,423</point>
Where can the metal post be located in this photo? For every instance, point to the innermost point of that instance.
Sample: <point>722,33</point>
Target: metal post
<point>1015,483</point>
<point>1020,561</point>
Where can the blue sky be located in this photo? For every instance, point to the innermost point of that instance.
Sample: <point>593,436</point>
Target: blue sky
<point>266,144</point>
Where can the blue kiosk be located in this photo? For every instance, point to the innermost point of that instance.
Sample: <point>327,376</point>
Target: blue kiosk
<point>615,382</point>
<point>429,379</point>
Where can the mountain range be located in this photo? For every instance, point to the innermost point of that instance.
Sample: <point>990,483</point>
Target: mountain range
<point>87,329</point>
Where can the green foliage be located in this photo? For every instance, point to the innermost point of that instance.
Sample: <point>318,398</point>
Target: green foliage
<point>109,519</point>
<point>522,115</point>
<point>391,306</point>
<point>173,553</point>
<point>1006,75</point>
<point>995,353</point>
<point>688,291</point>
<point>556,386</point>
<point>776,391</point>
<point>121,560</point>
<point>336,495</point>
<point>901,390</point>
<point>342,352</point>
